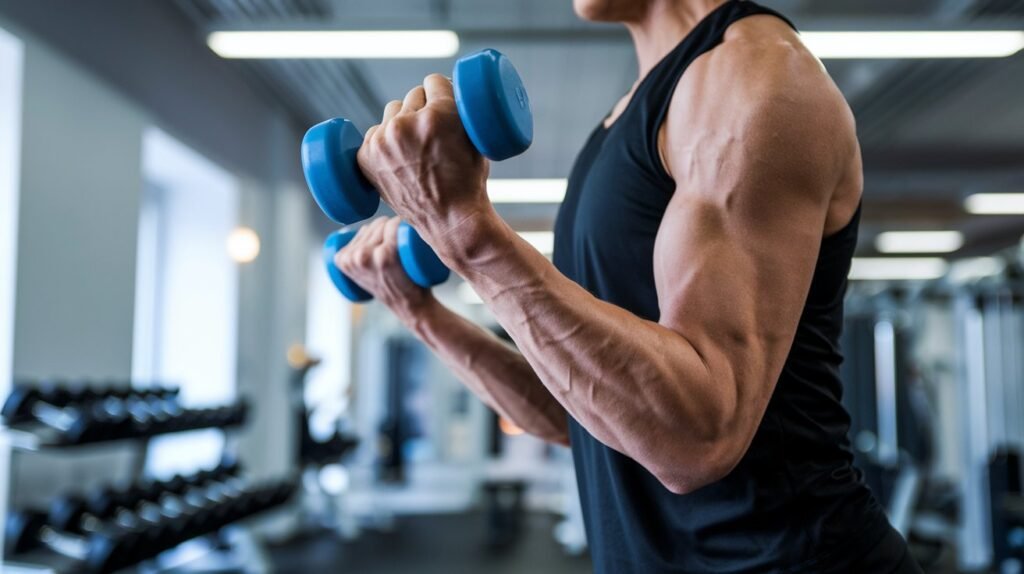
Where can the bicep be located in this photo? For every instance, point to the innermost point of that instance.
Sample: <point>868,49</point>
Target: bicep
<point>736,253</point>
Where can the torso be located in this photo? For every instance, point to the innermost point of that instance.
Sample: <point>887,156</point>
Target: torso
<point>789,504</point>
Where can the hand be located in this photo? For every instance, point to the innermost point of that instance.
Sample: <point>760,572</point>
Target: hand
<point>371,260</point>
<point>423,163</point>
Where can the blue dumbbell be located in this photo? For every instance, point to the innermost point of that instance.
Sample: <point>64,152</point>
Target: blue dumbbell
<point>420,262</point>
<point>495,113</point>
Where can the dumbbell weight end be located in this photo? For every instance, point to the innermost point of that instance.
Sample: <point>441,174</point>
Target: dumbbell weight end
<point>332,173</point>
<point>418,260</point>
<point>493,104</point>
<point>347,287</point>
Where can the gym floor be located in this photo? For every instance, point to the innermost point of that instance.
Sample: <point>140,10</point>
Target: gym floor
<point>432,544</point>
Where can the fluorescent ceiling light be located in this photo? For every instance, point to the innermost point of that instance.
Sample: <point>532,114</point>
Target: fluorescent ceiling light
<point>914,44</point>
<point>919,241</point>
<point>334,44</point>
<point>543,241</point>
<point>995,203</point>
<point>526,190</point>
<point>897,268</point>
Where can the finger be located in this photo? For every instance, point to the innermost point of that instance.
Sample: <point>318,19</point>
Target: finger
<point>362,236</point>
<point>369,133</point>
<point>437,87</point>
<point>414,100</point>
<point>391,231</point>
<point>390,111</point>
<point>375,232</point>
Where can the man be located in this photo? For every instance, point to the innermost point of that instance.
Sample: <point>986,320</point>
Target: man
<point>685,340</point>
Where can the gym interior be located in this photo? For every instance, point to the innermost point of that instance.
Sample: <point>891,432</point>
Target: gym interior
<point>186,390</point>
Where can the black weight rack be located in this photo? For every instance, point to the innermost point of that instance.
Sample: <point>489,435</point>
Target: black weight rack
<point>126,525</point>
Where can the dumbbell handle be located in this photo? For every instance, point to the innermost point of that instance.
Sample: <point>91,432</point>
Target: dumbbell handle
<point>418,260</point>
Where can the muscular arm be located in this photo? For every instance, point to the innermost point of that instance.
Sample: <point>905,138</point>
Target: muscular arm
<point>756,157</point>
<point>496,373</point>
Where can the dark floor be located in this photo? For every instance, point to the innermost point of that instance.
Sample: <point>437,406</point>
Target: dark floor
<point>448,544</point>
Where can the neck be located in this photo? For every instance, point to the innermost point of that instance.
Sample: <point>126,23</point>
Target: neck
<point>663,25</point>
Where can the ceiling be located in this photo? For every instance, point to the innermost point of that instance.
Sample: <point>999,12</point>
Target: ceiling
<point>931,131</point>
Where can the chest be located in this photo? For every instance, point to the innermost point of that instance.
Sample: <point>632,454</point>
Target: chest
<point>616,194</point>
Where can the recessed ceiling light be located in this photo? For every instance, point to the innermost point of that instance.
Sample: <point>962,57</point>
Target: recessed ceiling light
<point>334,44</point>
<point>914,44</point>
<point>897,268</point>
<point>995,203</point>
<point>543,241</point>
<point>526,190</point>
<point>919,241</point>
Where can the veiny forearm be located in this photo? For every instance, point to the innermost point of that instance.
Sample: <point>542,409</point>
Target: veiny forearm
<point>637,386</point>
<point>492,370</point>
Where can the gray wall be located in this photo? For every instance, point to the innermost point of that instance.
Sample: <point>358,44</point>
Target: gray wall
<point>80,182</point>
<point>149,52</point>
<point>93,83</point>
<point>75,278</point>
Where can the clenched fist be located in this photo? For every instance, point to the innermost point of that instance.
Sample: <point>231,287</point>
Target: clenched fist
<point>423,163</point>
<point>371,260</point>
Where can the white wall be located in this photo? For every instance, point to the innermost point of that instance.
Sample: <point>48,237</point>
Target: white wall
<point>271,318</point>
<point>10,140</point>
<point>10,159</point>
<point>186,311</point>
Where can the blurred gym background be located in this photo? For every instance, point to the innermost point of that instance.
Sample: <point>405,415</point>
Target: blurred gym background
<point>175,360</point>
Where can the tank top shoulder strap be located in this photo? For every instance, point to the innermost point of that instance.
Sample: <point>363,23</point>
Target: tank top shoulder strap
<point>654,94</point>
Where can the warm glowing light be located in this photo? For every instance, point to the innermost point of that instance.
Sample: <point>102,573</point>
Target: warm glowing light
<point>334,44</point>
<point>508,427</point>
<point>919,241</point>
<point>914,44</point>
<point>243,245</point>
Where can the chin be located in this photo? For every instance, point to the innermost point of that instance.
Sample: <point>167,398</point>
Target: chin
<point>607,10</point>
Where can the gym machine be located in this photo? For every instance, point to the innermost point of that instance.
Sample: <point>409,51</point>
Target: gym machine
<point>934,382</point>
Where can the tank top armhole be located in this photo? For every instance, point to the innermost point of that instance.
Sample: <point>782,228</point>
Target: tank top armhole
<point>718,21</point>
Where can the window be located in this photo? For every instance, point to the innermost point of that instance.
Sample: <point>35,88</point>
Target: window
<point>328,332</point>
<point>186,292</point>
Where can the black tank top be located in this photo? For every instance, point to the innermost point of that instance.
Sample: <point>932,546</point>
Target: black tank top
<point>794,503</point>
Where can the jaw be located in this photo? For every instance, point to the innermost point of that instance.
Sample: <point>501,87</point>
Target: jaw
<point>610,10</point>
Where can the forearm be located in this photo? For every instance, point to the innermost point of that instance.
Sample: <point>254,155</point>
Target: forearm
<point>634,384</point>
<point>492,370</point>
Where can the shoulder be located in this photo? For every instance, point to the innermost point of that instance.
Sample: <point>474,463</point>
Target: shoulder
<point>760,94</point>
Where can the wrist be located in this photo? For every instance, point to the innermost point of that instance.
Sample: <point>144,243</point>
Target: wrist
<point>471,236</point>
<point>413,311</point>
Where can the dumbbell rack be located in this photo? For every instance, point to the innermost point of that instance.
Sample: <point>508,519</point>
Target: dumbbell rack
<point>56,417</point>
